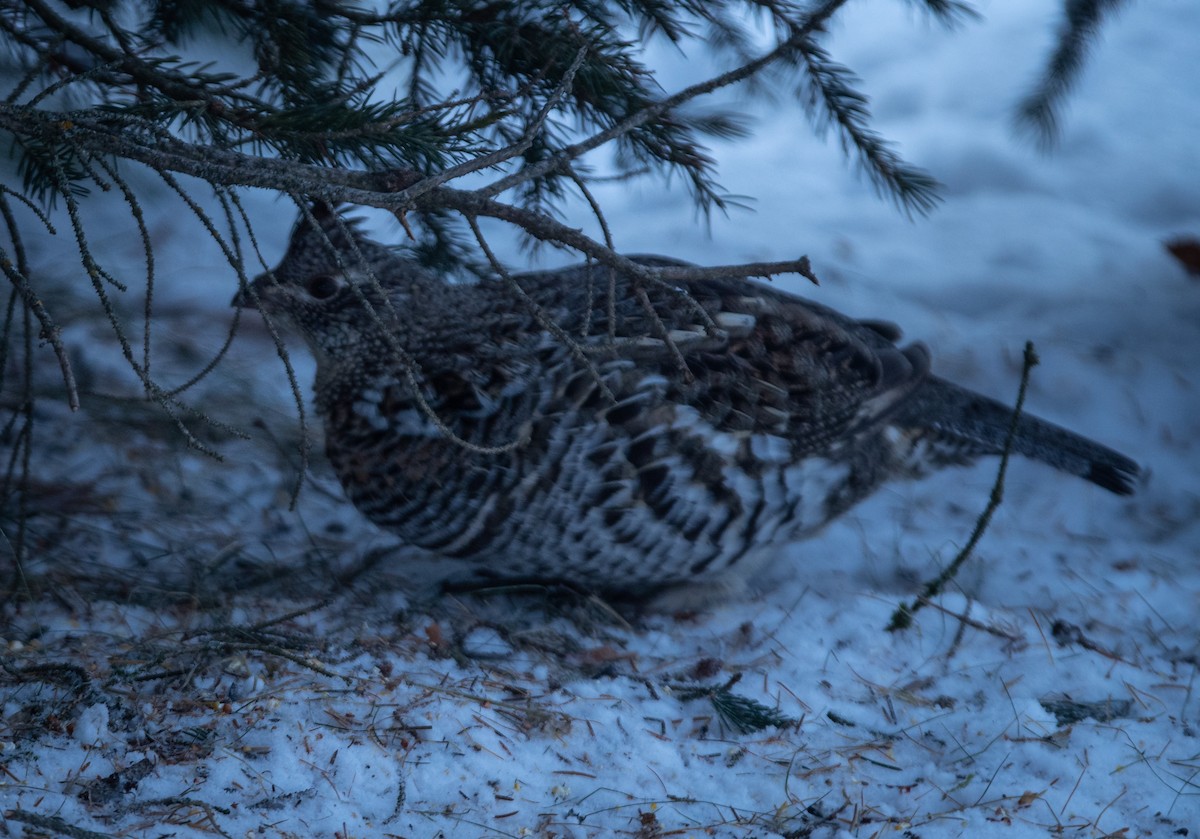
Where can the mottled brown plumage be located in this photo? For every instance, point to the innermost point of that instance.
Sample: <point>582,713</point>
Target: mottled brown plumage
<point>609,465</point>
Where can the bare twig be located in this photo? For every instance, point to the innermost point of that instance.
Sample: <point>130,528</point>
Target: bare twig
<point>499,156</point>
<point>902,617</point>
<point>50,331</point>
<point>409,364</point>
<point>135,209</point>
<point>586,316</point>
<point>675,273</point>
<point>539,313</point>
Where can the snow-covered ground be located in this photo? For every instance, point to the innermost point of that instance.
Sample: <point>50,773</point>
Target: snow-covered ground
<point>197,659</point>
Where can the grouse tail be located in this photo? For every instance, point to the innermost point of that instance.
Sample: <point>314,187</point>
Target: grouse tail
<point>960,425</point>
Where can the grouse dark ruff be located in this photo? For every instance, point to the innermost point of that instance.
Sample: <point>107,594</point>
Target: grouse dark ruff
<point>610,467</point>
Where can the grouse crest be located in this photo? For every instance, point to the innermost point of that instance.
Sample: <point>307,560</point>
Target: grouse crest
<point>577,425</point>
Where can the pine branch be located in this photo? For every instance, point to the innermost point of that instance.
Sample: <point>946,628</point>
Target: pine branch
<point>742,714</point>
<point>545,84</point>
<point>1039,111</point>
<point>154,74</point>
<point>578,62</point>
<point>814,21</point>
<point>499,156</point>
<point>832,100</point>
<point>949,12</point>
<point>398,191</point>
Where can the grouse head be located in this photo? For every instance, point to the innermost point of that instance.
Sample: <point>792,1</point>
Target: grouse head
<point>340,290</point>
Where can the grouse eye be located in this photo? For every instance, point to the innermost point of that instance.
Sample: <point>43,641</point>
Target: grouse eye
<point>322,287</point>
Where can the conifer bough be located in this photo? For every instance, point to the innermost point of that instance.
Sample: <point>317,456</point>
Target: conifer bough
<point>389,105</point>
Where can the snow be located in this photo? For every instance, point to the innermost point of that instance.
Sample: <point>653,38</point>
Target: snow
<point>199,659</point>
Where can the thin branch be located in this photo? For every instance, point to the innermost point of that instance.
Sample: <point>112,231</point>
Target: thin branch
<point>225,197</point>
<point>244,285</point>
<point>677,273</point>
<point>50,331</point>
<point>902,617</point>
<point>135,209</point>
<point>22,448</point>
<point>598,212</point>
<point>664,334</point>
<point>499,156</point>
<point>539,313</point>
<point>407,362</point>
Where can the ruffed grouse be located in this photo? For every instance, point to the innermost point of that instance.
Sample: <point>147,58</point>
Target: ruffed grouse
<point>620,461</point>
